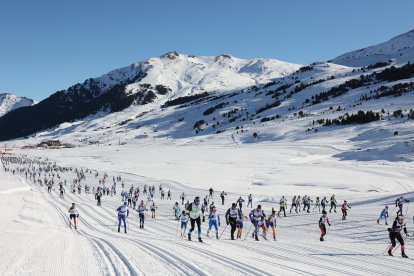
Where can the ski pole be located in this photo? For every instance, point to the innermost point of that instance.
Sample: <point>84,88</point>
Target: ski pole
<point>248,231</point>
<point>223,231</point>
<point>386,249</point>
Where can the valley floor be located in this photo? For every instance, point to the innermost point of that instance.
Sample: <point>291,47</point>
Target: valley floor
<point>36,238</point>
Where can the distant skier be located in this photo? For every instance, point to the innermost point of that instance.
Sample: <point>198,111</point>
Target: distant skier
<point>62,192</point>
<point>395,234</point>
<point>153,208</point>
<point>240,202</point>
<point>211,192</point>
<point>176,209</point>
<point>182,196</point>
<point>231,218</point>
<point>206,200</point>
<point>194,210</point>
<point>317,204</point>
<point>383,215</point>
<point>282,206</point>
<point>73,214</point>
<point>141,213</point>
<point>250,201</point>
<point>222,195</point>
<point>344,209</point>
<point>400,202</point>
<point>322,224</point>
<point>169,195</point>
<point>123,213</point>
<point>213,220</point>
<point>333,204</point>
<point>323,203</point>
<point>184,221</point>
<point>256,216</point>
<point>293,205</point>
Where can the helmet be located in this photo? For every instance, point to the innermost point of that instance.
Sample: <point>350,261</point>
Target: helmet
<point>386,207</point>
<point>197,199</point>
<point>323,212</point>
<point>259,206</point>
<point>125,203</point>
<point>233,205</point>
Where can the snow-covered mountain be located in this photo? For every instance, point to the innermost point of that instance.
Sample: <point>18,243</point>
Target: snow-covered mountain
<point>158,79</point>
<point>191,99</point>
<point>399,49</point>
<point>10,102</point>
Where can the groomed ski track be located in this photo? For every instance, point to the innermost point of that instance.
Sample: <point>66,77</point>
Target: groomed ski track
<point>353,247</point>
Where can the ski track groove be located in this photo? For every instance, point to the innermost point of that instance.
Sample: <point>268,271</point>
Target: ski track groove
<point>109,251</point>
<point>154,249</point>
<point>117,253</point>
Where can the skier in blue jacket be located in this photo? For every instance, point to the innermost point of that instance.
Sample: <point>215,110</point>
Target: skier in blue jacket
<point>123,212</point>
<point>383,215</point>
<point>213,220</point>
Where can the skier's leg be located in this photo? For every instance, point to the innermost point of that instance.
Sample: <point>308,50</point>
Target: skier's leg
<point>119,223</point>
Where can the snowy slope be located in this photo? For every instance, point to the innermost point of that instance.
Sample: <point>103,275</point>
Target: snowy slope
<point>352,247</point>
<point>10,102</point>
<point>400,49</point>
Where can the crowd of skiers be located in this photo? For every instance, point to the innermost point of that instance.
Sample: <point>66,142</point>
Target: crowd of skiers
<point>48,173</point>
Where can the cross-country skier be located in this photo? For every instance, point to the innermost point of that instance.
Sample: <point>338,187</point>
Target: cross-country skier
<point>73,214</point>
<point>169,195</point>
<point>383,215</point>
<point>256,217</point>
<point>206,200</point>
<point>239,224</point>
<point>298,201</point>
<point>211,192</point>
<point>62,191</point>
<point>395,234</point>
<point>240,202</point>
<point>194,211</point>
<point>213,220</point>
<point>317,204</point>
<point>222,195</point>
<point>184,220</point>
<point>323,203</point>
<point>123,213</point>
<point>176,209</point>
<point>98,196</point>
<point>293,204</point>
<point>250,201</point>
<point>400,202</point>
<point>271,223</point>
<point>282,204</point>
<point>182,196</point>
<point>333,204</point>
<point>344,209</point>
<point>231,218</point>
<point>322,224</point>
<point>153,208</point>
<point>308,202</point>
<point>141,212</point>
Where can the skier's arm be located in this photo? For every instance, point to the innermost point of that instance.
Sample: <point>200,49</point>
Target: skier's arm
<point>227,216</point>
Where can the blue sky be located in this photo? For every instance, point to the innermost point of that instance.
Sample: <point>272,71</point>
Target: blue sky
<point>48,45</point>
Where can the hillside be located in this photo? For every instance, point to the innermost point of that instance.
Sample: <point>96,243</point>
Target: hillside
<point>190,99</point>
